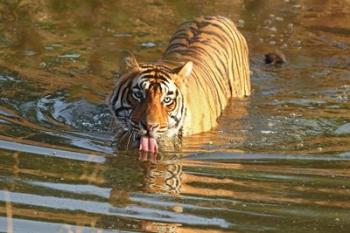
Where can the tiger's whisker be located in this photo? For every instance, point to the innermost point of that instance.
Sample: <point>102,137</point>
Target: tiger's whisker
<point>130,136</point>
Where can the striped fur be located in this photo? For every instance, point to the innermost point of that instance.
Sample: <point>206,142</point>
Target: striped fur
<point>205,64</point>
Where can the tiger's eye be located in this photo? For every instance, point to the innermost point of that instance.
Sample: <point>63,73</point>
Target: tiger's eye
<point>138,95</point>
<point>167,100</point>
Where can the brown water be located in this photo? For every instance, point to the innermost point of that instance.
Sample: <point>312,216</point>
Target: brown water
<point>278,162</point>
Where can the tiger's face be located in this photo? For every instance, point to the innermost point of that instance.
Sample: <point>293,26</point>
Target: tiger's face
<point>148,105</point>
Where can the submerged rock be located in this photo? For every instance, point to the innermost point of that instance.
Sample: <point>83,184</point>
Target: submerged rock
<point>276,57</point>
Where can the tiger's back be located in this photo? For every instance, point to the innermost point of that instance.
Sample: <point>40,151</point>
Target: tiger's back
<point>219,54</point>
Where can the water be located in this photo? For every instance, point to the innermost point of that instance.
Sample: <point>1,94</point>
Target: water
<point>278,161</point>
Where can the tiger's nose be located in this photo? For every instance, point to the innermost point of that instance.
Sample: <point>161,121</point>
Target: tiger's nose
<point>152,127</point>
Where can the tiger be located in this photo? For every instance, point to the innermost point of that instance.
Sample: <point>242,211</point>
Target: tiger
<point>185,91</point>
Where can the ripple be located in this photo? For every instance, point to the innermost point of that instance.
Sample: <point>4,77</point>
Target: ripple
<point>343,129</point>
<point>22,225</point>
<point>50,152</point>
<point>136,212</point>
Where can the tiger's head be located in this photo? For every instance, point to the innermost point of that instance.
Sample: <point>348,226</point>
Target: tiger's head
<point>147,104</point>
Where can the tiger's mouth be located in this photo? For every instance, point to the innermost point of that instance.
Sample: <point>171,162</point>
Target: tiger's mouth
<point>148,139</point>
<point>148,144</point>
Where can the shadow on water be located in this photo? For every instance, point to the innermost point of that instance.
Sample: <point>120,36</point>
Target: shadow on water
<point>278,161</point>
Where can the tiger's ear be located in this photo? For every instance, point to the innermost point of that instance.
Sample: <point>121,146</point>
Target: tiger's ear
<point>128,62</point>
<point>183,71</point>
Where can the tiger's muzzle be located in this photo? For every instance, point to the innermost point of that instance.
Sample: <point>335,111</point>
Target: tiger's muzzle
<point>148,141</point>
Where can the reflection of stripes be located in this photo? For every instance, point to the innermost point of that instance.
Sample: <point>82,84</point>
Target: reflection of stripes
<point>164,178</point>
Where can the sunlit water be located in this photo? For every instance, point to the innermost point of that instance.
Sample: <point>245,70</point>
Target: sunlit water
<point>278,161</point>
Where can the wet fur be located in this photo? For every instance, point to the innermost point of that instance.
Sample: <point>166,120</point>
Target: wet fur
<point>205,64</point>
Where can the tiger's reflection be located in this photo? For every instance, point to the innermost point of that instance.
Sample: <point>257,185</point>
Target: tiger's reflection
<point>162,175</point>
<point>148,173</point>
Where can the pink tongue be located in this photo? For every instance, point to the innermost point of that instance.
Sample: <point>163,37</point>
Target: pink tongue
<point>148,144</point>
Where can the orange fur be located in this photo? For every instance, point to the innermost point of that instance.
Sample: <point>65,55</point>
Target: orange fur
<point>205,64</point>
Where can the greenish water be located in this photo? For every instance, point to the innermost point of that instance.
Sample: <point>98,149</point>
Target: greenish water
<point>278,162</point>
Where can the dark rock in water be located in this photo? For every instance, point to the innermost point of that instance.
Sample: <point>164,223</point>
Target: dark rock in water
<point>275,58</point>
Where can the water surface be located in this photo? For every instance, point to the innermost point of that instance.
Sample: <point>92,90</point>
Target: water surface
<point>278,161</point>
